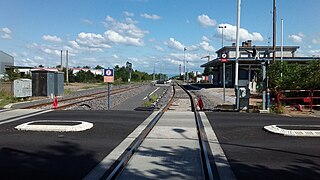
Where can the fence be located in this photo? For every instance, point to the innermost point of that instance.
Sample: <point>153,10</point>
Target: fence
<point>6,87</point>
<point>303,98</point>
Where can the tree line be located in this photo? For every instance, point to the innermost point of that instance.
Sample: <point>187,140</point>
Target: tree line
<point>121,75</point>
<point>294,76</point>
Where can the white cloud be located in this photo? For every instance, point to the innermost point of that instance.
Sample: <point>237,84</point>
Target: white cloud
<point>125,29</point>
<point>128,13</point>
<point>6,33</point>
<point>297,38</point>
<point>51,38</point>
<point>150,16</point>
<point>159,48</point>
<point>205,38</point>
<point>206,46</point>
<point>115,37</point>
<point>172,43</point>
<point>115,56</point>
<point>315,52</point>
<point>229,33</point>
<point>87,21</point>
<point>6,30</point>
<point>92,40</point>
<point>206,21</point>
<point>316,41</point>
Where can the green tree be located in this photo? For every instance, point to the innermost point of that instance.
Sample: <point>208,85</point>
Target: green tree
<point>98,67</point>
<point>13,74</point>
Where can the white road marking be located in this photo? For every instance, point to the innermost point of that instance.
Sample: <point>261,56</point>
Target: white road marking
<point>150,94</point>
<point>22,117</point>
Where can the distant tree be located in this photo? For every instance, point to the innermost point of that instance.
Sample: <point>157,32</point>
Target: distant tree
<point>12,74</point>
<point>41,66</point>
<point>86,67</point>
<point>207,71</point>
<point>98,67</point>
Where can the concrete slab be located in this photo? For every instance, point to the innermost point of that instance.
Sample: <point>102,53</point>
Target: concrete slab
<point>165,159</point>
<point>168,152</point>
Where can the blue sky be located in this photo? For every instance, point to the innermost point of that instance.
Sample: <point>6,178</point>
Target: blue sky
<point>147,33</point>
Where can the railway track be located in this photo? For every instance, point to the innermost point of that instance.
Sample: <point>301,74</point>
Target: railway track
<point>73,101</point>
<point>181,102</point>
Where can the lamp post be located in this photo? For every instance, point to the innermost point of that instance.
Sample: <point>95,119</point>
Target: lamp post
<point>224,69</point>
<point>184,64</point>
<point>222,27</point>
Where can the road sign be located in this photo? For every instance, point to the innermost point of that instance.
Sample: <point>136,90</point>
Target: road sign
<point>224,57</point>
<point>108,75</point>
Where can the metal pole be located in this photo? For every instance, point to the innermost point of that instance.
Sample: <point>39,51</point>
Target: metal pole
<point>281,45</point>
<point>224,82</point>
<point>237,56</point>
<point>274,30</point>
<point>61,68</point>
<point>67,68</point>
<point>184,65</point>
<point>108,96</point>
<point>154,72</point>
<point>264,76</point>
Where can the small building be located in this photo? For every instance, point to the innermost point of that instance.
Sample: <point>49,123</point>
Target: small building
<point>5,60</point>
<point>248,65</point>
<point>47,83</point>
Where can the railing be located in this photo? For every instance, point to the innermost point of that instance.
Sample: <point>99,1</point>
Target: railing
<point>299,98</point>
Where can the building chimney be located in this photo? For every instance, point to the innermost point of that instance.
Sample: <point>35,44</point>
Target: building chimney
<point>249,43</point>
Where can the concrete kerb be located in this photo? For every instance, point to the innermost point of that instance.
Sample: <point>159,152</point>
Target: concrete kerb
<point>31,126</point>
<point>221,161</point>
<point>290,132</point>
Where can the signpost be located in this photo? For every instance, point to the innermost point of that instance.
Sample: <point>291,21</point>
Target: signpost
<point>224,59</point>
<point>109,78</point>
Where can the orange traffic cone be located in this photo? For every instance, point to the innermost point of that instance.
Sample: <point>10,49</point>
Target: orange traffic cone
<point>200,104</point>
<point>55,102</point>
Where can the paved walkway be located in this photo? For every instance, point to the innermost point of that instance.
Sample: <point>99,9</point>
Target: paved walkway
<point>170,151</point>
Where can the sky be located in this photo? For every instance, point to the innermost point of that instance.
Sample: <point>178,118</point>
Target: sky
<point>151,34</point>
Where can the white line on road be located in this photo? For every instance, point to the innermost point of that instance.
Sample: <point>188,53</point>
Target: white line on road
<point>26,116</point>
<point>150,94</point>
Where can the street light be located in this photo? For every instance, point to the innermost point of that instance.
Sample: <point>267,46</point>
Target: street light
<point>224,69</point>
<point>222,27</point>
<point>184,62</point>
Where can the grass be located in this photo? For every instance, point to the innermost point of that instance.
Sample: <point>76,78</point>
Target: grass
<point>153,98</point>
<point>6,98</point>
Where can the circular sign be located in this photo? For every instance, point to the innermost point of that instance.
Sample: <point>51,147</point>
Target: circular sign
<point>108,72</point>
<point>224,55</point>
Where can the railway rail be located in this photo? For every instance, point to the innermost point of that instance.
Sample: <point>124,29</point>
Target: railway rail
<point>72,101</point>
<point>206,158</point>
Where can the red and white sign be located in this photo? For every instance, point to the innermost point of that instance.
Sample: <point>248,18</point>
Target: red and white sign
<point>224,57</point>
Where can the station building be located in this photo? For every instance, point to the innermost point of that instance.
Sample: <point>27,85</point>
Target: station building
<point>248,65</point>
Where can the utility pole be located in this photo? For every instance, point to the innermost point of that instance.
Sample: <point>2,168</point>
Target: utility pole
<point>67,68</point>
<point>237,57</point>
<point>184,66</point>
<point>274,30</point>
<point>61,61</point>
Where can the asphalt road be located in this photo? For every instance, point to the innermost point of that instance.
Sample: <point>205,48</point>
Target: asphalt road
<point>53,155</point>
<point>257,154</point>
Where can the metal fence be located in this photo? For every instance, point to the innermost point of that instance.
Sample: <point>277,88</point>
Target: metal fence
<point>6,87</point>
<point>300,98</point>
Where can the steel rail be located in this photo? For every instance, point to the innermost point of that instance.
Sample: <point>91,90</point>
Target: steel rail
<point>114,91</point>
<point>121,162</point>
<point>206,154</point>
